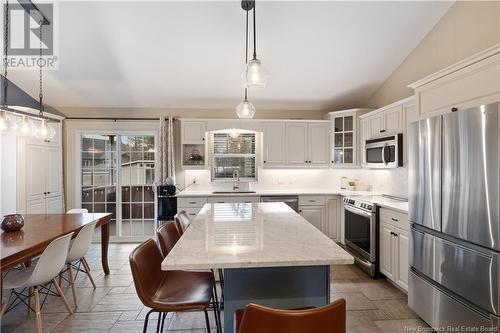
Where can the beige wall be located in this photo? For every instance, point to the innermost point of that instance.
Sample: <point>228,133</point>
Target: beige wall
<point>467,28</point>
<point>183,113</point>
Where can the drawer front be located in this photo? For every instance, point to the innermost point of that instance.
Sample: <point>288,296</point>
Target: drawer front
<point>397,219</point>
<point>312,200</point>
<point>455,267</point>
<point>191,211</point>
<point>234,199</point>
<point>439,308</point>
<point>191,201</point>
<point>464,87</point>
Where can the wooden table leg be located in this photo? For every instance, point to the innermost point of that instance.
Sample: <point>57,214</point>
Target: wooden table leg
<point>104,247</point>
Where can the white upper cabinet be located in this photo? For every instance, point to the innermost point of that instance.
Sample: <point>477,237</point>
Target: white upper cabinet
<point>296,143</point>
<point>273,143</point>
<point>345,137</point>
<point>468,83</point>
<point>386,121</point>
<point>376,125</point>
<point>193,132</point>
<point>393,120</point>
<point>319,147</point>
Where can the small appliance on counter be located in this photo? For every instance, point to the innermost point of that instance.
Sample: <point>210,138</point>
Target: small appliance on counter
<point>167,201</point>
<point>353,184</point>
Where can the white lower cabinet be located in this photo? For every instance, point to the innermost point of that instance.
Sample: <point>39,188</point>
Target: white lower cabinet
<point>315,215</point>
<point>323,212</point>
<point>386,250</point>
<point>394,243</point>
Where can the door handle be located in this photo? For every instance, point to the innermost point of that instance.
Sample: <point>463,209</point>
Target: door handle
<point>395,220</point>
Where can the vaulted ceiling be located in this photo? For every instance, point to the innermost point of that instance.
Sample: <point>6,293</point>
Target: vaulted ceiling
<point>187,54</point>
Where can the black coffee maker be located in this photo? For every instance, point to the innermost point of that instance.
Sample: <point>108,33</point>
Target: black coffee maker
<point>167,202</point>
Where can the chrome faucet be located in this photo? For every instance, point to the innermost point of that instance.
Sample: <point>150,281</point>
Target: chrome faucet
<point>236,180</point>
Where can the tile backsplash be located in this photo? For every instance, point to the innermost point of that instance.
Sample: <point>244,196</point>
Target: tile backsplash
<point>390,181</point>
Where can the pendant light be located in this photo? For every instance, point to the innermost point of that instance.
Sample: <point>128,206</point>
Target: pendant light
<point>255,74</point>
<point>4,122</point>
<point>44,131</point>
<point>246,110</point>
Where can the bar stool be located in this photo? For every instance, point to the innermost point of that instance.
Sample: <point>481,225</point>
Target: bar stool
<point>169,291</point>
<point>168,235</point>
<point>255,318</point>
<point>183,222</point>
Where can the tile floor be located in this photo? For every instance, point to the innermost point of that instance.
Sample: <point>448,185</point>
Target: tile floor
<point>373,305</point>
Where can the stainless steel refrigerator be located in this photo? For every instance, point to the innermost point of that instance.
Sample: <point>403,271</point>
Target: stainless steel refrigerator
<point>454,210</point>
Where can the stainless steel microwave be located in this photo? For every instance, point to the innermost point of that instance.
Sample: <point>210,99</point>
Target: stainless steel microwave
<point>384,153</point>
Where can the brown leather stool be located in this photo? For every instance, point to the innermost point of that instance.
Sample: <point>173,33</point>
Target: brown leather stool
<point>168,291</point>
<point>168,235</point>
<point>255,318</point>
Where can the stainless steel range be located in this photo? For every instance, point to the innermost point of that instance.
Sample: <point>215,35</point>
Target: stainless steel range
<point>361,232</point>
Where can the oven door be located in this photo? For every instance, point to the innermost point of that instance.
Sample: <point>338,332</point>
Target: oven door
<point>360,232</point>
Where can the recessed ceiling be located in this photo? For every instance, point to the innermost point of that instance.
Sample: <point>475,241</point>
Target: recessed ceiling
<point>188,54</point>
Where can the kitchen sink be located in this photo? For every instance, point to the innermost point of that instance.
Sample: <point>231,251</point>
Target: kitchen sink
<point>232,192</point>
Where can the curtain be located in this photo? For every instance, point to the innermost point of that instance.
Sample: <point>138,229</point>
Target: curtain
<point>166,149</point>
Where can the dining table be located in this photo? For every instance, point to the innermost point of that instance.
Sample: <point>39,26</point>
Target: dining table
<point>19,247</point>
<point>270,255</point>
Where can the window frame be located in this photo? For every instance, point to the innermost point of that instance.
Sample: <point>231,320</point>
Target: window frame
<point>213,155</point>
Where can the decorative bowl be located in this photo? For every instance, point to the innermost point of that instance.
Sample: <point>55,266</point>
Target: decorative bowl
<point>12,222</point>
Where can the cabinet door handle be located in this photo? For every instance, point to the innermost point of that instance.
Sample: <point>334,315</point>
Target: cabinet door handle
<point>454,109</point>
<point>382,131</point>
<point>312,200</point>
<point>264,161</point>
<point>300,210</point>
<point>395,220</point>
<point>192,202</point>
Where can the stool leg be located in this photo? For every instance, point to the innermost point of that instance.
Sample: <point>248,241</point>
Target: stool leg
<point>146,322</point>
<point>207,321</point>
<point>30,291</point>
<point>163,321</point>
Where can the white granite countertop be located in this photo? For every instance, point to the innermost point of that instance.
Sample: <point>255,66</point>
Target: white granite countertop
<point>248,235</point>
<point>397,205</point>
<point>260,192</point>
<point>368,196</point>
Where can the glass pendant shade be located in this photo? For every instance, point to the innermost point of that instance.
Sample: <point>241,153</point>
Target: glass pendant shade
<point>255,74</point>
<point>4,122</point>
<point>24,127</point>
<point>43,131</point>
<point>245,110</point>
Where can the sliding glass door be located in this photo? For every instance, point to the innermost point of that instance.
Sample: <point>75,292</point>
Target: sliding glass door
<point>118,172</point>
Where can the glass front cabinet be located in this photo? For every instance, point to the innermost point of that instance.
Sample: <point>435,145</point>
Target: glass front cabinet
<point>345,148</point>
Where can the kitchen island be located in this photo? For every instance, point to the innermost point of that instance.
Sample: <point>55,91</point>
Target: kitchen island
<point>270,255</point>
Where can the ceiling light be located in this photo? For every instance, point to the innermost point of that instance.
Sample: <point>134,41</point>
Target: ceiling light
<point>24,127</point>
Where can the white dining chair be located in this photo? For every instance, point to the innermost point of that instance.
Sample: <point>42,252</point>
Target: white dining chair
<point>78,249</point>
<point>77,211</point>
<point>36,278</point>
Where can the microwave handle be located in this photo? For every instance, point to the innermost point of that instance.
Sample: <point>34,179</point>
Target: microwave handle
<point>383,154</point>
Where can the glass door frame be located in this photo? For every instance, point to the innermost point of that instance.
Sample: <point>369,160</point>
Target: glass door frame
<point>78,164</point>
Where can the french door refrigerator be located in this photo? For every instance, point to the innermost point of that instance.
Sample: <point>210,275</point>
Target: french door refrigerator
<point>454,254</point>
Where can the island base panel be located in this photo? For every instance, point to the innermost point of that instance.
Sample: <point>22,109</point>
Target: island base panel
<point>276,287</point>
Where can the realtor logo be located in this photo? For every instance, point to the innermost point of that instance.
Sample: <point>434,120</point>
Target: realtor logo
<point>24,40</point>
